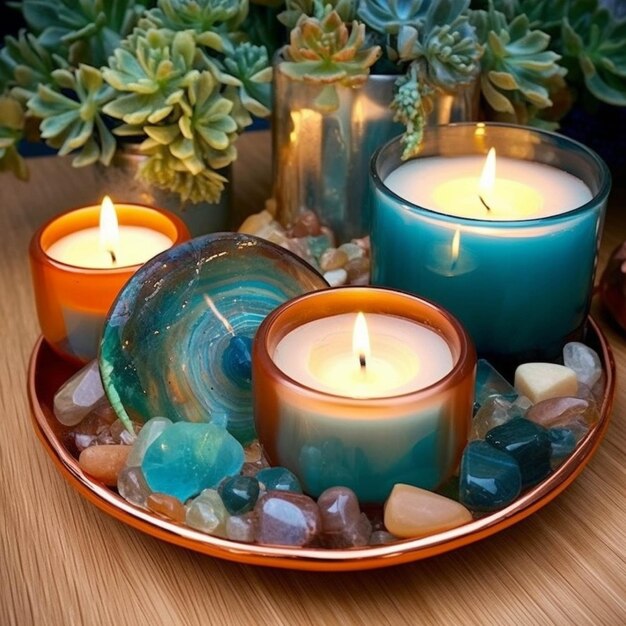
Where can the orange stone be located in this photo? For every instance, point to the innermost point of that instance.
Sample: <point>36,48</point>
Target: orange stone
<point>167,506</point>
<point>411,512</point>
<point>104,463</point>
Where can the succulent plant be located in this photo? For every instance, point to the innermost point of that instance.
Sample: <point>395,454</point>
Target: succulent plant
<point>518,70</point>
<point>295,9</point>
<point>71,117</point>
<point>11,131</point>
<point>389,16</point>
<point>89,29</point>
<point>326,52</point>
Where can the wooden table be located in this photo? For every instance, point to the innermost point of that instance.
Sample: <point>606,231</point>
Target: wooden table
<point>63,561</point>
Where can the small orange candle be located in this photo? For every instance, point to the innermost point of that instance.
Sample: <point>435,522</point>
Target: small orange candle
<point>80,260</point>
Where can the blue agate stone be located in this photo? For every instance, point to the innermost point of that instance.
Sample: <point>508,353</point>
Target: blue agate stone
<point>489,479</point>
<point>489,382</point>
<point>528,443</point>
<point>279,479</point>
<point>239,494</point>
<point>190,457</point>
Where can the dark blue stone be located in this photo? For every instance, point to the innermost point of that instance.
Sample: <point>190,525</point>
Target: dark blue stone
<point>239,494</point>
<point>528,443</point>
<point>563,443</point>
<point>279,479</point>
<point>489,478</point>
<point>237,360</point>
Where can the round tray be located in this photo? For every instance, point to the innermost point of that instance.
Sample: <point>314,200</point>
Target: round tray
<point>47,371</point>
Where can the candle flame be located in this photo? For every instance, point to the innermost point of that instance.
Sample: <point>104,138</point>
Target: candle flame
<point>361,340</point>
<point>219,316</point>
<point>488,175</point>
<point>456,245</point>
<point>109,228</point>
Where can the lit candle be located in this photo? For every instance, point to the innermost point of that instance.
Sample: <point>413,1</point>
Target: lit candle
<point>81,259</point>
<point>365,401</point>
<point>508,244</point>
<point>109,245</point>
<point>333,354</point>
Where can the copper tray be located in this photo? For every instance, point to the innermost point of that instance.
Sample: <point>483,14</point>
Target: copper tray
<point>47,372</point>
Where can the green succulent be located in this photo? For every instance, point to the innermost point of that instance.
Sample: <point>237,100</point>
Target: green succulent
<point>199,141</point>
<point>11,132</point>
<point>389,16</point>
<point>326,52</point>
<point>25,64</point>
<point>151,76</point>
<point>89,29</point>
<point>295,9</point>
<point>71,118</point>
<point>518,70</point>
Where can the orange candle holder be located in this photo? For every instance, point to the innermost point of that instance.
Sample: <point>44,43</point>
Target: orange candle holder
<point>72,302</point>
<point>366,444</point>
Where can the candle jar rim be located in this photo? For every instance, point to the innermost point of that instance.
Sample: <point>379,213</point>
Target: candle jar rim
<point>37,251</point>
<point>604,175</point>
<point>271,332</point>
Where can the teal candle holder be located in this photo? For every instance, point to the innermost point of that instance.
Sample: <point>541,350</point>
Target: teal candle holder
<point>522,287</point>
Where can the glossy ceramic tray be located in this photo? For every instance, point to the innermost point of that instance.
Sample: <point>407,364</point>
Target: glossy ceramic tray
<point>47,372</point>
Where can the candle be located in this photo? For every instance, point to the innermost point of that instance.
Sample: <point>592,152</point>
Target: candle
<point>77,271</point>
<point>512,257</point>
<point>326,354</point>
<point>367,409</point>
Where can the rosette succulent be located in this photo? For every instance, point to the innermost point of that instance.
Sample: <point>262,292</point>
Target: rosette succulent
<point>295,9</point>
<point>11,131</point>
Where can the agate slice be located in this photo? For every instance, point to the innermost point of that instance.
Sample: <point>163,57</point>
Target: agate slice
<point>177,341</point>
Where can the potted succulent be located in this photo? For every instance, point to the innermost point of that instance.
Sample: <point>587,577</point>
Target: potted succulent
<point>167,88</point>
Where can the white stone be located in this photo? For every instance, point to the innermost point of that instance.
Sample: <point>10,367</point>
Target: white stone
<point>584,361</point>
<point>79,395</point>
<point>542,381</point>
<point>335,278</point>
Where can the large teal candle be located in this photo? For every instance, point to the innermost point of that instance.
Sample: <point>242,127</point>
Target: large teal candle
<point>514,260</point>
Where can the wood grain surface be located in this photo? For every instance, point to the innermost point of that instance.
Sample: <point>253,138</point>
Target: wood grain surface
<point>62,561</point>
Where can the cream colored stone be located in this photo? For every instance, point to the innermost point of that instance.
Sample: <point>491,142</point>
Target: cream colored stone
<point>256,222</point>
<point>412,512</point>
<point>542,381</point>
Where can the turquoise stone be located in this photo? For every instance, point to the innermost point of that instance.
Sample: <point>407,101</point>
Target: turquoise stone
<point>489,382</point>
<point>239,494</point>
<point>562,442</point>
<point>278,479</point>
<point>528,443</point>
<point>489,478</point>
<point>190,457</point>
<point>150,432</point>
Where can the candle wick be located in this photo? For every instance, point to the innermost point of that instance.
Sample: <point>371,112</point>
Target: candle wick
<point>484,203</point>
<point>113,257</point>
<point>362,361</point>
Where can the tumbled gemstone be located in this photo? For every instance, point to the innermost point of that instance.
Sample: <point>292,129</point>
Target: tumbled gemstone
<point>132,486</point>
<point>87,432</point>
<point>528,443</point>
<point>352,250</point>
<point>584,361</point>
<point>189,457</point>
<point>253,453</point>
<point>167,506</point>
<point>336,278</point>
<point>489,382</point>
<point>540,381</point>
<point>241,527</point>
<point>354,536</point>
<point>288,519</point>
<point>563,443</point>
<point>381,537</point>
<point>278,479</point>
<point>150,431</point>
<point>343,524</point>
<point>414,512</point>
<point>567,412</point>
<point>489,478</point>
<point>307,224</point>
<point>207,513</point>
<point>117,433</point>
<point>79,395</point>
<point>496,410</point>
<point>239,494</point>
<point>333,259</point>
<point>104,463</point>
<point>357,269</point>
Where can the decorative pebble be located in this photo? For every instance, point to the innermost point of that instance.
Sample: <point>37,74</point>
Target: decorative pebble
<point>343,524</point>
<point>253,453</point>
<point>584,361</point>
<point>307,224</point>
<point>489,479</point>
<point>355,536</point>
<point>540,381</point>
<point>132,486</point>
<point>357,269</point>
<point>489,382</point>
<point>239,493</point>
<point>333,259</point>
<point>241,527</point>
<point>495,411</point>
<point>116,433</point>
<point>279,479</point>
<point>414,512</point>
<point>381,538</point>
<point>352,250</point>
<point>255,223</point>
<point>167,506</point>
<point>79,395</point>
<point>104,463</point>
<point>88,431</point>
<point>528,443</point>
<point>188,457</point>
<point>287,519</point>
<point>563,443</point>
<point>335,278</point>
<point>317,246</point>
<point>150,431</point>
<point>564,412</point>
<point>207,513</point>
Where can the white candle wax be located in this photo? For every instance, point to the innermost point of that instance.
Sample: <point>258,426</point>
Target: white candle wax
<point>405,356</point>
<point>82,248</point>
<point>522,189</point>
